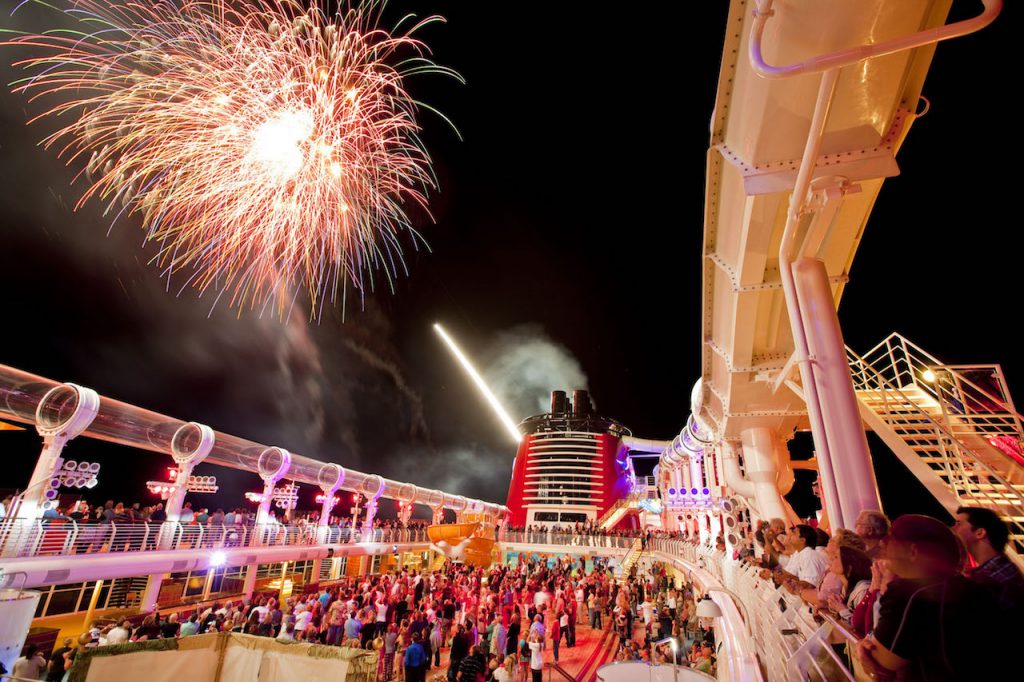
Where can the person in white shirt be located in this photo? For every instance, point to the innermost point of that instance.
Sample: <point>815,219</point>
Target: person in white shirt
<point>541,599</point>
<point>303,617</point>
<point>647,608</point>
<point>118,634</point>
<point>503,673</point>
<point>31,666</point>
<point>536,657</point>
<point>287,633</point>
<point>806,565</point>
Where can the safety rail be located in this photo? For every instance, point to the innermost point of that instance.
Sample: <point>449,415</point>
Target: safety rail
<point>619,507</point>
<point>704,557</point>
<point>973,472</point>
<point>792,643</point>
<point>566,539</point>
<point>975,395</point>
<point>630,558</point>
<point>704,567</point>
<point>52,537</point>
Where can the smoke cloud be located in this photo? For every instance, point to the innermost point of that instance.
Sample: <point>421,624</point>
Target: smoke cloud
<point>473,470</point>
<point>524,365</point>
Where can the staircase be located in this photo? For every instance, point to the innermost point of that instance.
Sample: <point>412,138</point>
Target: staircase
<point>126,592</point>
<point>643,488</point>
<point>954,427</point>
<point>631,557</point>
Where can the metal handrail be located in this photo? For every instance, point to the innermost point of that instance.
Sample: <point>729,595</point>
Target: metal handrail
<point>883,383</point>
<point>24,537</point>
<point>566,539</point>
<point>852,55</point>
<point>1009,497</point>
<point>553,667</point>
<point>919,359</point>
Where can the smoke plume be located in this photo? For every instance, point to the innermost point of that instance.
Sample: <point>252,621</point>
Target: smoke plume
<point>524,365</point>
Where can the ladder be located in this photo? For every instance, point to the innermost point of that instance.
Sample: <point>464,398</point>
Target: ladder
<point>954,427</point>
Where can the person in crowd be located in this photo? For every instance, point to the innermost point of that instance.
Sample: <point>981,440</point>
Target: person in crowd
<point>31,665</point>
<point>119,634</point>
<point>55,667</point>
<point>985,535</point>
<point>853,569</point>
<point>930,610</point>
<point>805,566</point>
<point>872,526</point>
<point>415,660</point>
<point>473,666</point>
<point>536,647</point>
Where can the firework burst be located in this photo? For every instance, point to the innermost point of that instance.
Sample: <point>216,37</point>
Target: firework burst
<point>267,146</point>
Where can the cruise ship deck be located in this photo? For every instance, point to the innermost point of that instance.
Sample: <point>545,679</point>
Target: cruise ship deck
<point>702,549</point>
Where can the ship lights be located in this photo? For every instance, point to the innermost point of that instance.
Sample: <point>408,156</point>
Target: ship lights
<point>286,497</point>
<point>193,484</point>
<point>692,498</point>
<point>69,474</point>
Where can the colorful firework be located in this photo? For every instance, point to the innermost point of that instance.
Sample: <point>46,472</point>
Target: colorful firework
<point>268,146</point>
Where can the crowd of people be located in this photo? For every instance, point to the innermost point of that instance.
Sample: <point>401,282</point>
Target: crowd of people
<point>501,623</point>
<point>119,527</point>
<point>912,591</point>
<point>924,601</point>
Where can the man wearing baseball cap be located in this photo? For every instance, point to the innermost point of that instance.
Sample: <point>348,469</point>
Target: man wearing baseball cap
<point>929,612</point>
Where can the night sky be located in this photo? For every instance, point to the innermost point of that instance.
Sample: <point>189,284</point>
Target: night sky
<point>565,253</point>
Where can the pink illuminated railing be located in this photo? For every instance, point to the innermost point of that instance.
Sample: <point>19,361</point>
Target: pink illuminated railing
<point>44,537</point>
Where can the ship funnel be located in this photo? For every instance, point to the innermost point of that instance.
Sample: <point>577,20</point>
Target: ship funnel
<point>581,406</point>
<point>559,402</point>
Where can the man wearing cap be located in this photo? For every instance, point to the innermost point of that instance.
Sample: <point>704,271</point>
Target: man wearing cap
<point>933,624</point>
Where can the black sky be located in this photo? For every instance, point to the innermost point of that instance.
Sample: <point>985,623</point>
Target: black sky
<point>573,206</point>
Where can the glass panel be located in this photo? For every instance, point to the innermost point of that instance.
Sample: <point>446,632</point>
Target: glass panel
<point>63,601</point>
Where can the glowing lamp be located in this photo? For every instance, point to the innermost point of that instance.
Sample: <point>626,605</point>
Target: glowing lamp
<point>218,559</point>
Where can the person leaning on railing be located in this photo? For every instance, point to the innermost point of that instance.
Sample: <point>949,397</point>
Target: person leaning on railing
<point>930,612</point>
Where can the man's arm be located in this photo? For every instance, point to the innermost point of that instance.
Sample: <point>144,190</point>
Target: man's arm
<point>880,663</point>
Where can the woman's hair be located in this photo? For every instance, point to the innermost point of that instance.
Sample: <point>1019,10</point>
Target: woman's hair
<point>845,537</point>
<point>856,566</point>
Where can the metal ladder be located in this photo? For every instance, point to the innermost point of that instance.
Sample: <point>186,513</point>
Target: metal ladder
<point>954,427</point>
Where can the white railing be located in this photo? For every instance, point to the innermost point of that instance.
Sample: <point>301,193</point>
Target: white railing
<point>703,566</point>
<point>46,537</point>
<point>975,396</point>
<point>975,471</point>
<point>793,645</point>
<point>702,556</point>
<point>566,539</point>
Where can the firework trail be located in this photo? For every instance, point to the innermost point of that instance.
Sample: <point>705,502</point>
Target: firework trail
<point>267,146</point>
<point>492,399</point>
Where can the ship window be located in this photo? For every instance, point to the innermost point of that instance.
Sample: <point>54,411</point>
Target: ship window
<point>545,516</point>
<point>574,517</point>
